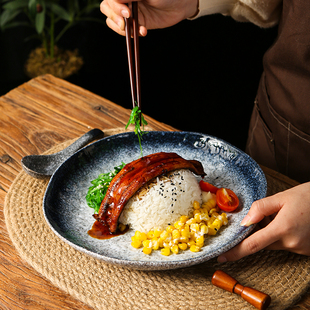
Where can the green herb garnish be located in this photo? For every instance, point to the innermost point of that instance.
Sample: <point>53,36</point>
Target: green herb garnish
<point>136,118</point>
<point>100,186</point>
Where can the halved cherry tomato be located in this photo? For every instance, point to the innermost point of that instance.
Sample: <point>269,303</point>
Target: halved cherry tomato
<point>227,200</point>
<point>207,187</point>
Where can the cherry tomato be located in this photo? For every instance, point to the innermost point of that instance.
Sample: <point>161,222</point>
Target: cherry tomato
<point>207,187</point>
<point>227,200</point>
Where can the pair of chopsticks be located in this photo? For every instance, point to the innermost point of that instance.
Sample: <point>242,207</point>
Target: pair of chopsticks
<point>132,30</point>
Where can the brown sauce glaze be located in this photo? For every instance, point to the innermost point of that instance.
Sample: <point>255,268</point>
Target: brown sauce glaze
<point>101,231</point>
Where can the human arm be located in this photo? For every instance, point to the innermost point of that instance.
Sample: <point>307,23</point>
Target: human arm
<point>152,13</point>
<point>165,13</point>
<point>263,13</point>
<point>285,224</point>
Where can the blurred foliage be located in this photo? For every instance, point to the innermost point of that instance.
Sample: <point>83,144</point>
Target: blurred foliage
<point>44,15</point>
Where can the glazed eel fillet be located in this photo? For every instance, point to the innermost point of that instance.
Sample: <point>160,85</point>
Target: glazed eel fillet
<point>135,175</point>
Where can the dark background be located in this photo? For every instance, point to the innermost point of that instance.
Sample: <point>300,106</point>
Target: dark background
<point>197,76</point>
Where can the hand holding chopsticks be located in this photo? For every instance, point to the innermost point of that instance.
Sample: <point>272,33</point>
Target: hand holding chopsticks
<point>132,30</point>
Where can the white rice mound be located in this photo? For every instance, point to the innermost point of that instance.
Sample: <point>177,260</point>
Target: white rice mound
<point>162,202</point>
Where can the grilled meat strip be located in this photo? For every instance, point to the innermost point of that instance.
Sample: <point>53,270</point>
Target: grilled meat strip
<point>135,175</point>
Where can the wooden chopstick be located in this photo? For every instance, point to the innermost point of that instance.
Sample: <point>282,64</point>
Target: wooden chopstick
<point>132,30</point>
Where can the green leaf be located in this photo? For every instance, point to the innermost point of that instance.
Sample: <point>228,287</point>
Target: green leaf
<point>73,6</point>
<point>15,24</point>
<point>7,16</point>
<point>91,7</point>
<point>15,5</point>
<point>60,11</point>
<point>40,21</point>
<point>32,7</point>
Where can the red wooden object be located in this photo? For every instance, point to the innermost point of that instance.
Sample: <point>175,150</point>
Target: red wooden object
<point>256,298</point>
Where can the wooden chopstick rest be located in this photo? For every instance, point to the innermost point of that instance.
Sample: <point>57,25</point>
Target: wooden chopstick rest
<point>256,298</point>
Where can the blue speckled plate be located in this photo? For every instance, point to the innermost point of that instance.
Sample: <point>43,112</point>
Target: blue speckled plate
<point>68,215</point>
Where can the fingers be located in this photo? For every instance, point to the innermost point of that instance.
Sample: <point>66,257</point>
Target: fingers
<point>254,243</point>
<point>111,24</point>
<point>115,12</point>
<point>285,220</point>
<point>269,235</point>
<point>262,208</point>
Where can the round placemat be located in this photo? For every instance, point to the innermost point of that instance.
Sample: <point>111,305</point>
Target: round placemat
<point>282,275</point>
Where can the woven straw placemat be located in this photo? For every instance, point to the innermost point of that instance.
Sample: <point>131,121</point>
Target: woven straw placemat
<point>284,276</point>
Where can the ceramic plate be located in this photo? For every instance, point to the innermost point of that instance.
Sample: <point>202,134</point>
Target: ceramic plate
<point>68,215</point>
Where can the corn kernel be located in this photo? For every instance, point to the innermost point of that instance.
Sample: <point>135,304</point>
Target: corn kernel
<point>140,235</point>
<point>165,251</point>
<point>175,249</point>
<point>121,227</point>
<point>210,221</point>
<point>170,228</point>
<point>183,246</point>
<point>191,242</point>
<point>136,244</point>
<point>217,224</point>
<point>185,233</point>
<point>200,241</point>
<point>196,205</point>
<point>147,251</point>
<point>166,244</point>
<point>195,227</point>
<point>208,205</point>
<point>204,229</point>
<point>191,221</point>
<point>196,211</point>
<point>178,225</point>
<point>150,235</point>
<point>197,217</point>
<point>186,228</point>
<point>161,243</point>
<point>183,239</point>
<point>183,219</point>
<point>193,235</point>
<point>204,217</point>
<point>147,243</point>
<point>194,248</point>
<point>212,231</point>
<point>164,235</point>
<point>213,212</point>
<point>224,218</point>
<point>176,234</point>
<point>157,233</point>
<point>155,243</point>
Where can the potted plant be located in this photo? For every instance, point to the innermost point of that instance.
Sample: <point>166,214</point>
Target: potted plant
<point>50,20</point>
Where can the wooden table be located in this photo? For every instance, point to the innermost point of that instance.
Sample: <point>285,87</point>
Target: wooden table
<point>33,118</point>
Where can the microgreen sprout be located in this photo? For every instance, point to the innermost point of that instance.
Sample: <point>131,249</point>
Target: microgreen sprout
<point>136,118</point>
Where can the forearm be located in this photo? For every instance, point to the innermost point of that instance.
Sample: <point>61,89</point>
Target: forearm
<point>263,13</point>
